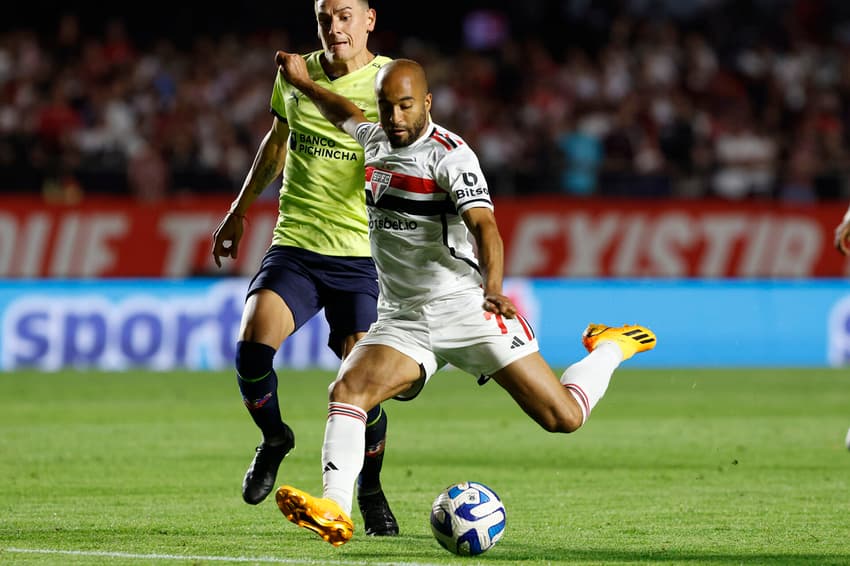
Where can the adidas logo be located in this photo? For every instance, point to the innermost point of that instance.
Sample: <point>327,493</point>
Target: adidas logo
<point>329,466</point>
<point>516,343</point>
<point>642,337</point>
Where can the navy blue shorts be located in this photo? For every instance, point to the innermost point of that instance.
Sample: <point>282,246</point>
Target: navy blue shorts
<point>346,287</point>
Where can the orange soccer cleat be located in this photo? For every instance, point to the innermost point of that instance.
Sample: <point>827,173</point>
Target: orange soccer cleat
<point>631,338</point>
<point>322,516</point>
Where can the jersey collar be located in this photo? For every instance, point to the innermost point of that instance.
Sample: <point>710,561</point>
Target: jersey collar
<point>429,131</point>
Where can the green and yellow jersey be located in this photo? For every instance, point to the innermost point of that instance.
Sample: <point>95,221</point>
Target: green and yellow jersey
<point>322,199</point>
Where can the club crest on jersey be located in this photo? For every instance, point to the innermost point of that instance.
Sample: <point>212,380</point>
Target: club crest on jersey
<point>379,183</point>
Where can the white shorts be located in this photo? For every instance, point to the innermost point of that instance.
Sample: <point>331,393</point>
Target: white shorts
<point>457,331</point>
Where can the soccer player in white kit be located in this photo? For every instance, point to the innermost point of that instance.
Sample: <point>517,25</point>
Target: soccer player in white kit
<point>439,256</point>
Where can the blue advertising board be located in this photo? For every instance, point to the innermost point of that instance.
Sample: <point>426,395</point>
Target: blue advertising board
<point>146,323</point>
<point>193,323</point>
<point>706,323</point>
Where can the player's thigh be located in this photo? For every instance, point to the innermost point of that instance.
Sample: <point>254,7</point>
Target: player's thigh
<point>373,373</point>
<point>349,315</point>
<point>266,319</point>
<point>349,293</point>
<point>282,297</point>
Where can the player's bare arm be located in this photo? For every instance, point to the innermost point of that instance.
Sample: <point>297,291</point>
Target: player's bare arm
<point>482,224</point>
<point>337,109</point>
<point>268,164</point>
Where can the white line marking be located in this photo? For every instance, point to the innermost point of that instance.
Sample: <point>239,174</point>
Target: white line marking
<point>268,560</point>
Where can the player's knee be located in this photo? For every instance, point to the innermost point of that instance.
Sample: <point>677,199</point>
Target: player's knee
<point>561,420</point>
<point>352,387</point>
<point>571,420</point>
<point>347,389</point>
<point>253,360</point>
<point>571,423</point>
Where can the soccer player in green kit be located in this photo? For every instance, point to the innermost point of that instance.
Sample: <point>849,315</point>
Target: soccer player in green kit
<point>320,256</point>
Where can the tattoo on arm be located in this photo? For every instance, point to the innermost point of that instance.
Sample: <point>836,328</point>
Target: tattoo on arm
<point>265,173</point>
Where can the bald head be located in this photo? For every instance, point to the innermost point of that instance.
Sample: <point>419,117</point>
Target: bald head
<point>403,100</point>
<point>403,70</point>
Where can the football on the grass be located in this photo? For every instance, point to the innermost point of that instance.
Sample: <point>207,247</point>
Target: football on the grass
<point>467,518</point>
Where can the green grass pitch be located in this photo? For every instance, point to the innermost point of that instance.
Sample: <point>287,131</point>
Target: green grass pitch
<point>674,467</point>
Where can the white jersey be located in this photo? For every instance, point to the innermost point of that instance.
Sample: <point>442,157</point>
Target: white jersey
<point>415,196</point>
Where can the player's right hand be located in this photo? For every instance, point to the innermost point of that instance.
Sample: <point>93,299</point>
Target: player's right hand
<point>497,303</point>
<point>293,68</point>
<point>226,237</point>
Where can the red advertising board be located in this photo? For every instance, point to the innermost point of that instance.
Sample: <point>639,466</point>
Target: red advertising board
<point>544,237</point>
<point>670,239</point>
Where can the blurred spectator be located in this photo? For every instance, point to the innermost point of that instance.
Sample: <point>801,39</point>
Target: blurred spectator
<point>746,158</point>
<point>620,148</point>
<point>798,184</point>
<point>689,98</point>
<point>677,141</point>
<point>580,158</point>
<point>57,120</point>
<point>148,176</point>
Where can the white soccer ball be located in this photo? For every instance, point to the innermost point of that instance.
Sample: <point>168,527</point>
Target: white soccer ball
<point>467,518</point>
<point>847,440</point>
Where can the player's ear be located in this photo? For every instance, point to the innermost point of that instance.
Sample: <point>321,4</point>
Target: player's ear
<point>371,15</point>
<point>428,102</point>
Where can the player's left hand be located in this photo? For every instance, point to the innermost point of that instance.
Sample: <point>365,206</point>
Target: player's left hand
<point>500,304</point>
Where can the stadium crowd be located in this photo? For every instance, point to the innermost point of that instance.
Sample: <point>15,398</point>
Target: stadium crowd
<point>641,98</point>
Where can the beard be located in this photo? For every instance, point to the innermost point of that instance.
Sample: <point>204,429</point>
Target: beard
<point>410,135</point>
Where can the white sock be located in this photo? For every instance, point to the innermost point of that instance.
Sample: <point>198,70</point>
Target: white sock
<point>588,378</point>
<point>342,452</point>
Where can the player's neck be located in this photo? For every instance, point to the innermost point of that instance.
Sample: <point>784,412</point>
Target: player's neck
<point>342,68</point>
